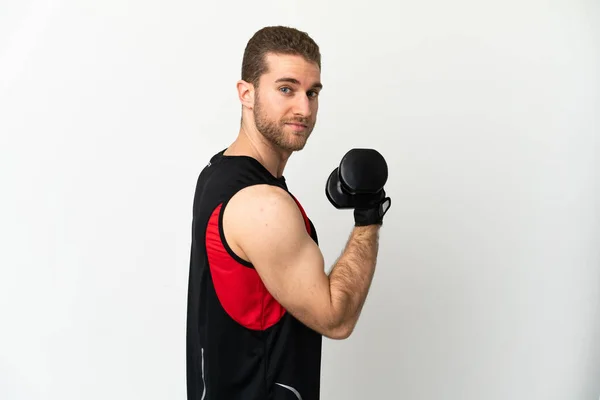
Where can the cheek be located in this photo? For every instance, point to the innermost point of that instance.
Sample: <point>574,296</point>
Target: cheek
<point>315,108</point>
<point>274,106</point>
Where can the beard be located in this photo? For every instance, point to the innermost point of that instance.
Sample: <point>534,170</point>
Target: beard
<point>275,131</point>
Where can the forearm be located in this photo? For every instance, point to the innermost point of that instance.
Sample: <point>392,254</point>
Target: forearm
<point>351,276</point>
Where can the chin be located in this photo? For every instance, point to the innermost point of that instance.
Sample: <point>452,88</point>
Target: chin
<point>299,145</point>
<point>294,145</point>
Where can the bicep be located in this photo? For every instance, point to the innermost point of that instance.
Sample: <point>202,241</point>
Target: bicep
<point>292,269</point>
<point>272,234</point>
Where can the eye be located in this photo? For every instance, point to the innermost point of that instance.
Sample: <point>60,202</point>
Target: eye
<point>313,93</point>
<point>285,89</point>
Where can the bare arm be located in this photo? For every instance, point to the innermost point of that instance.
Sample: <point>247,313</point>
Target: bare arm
<point>264,226</point>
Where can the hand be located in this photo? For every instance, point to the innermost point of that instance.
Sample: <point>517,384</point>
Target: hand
<point>358,184</point>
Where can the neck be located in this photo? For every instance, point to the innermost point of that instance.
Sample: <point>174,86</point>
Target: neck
<point>250,142</point>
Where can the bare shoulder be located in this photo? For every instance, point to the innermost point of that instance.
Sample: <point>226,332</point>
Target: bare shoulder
<point>258,217</point>
<point>261,205</point>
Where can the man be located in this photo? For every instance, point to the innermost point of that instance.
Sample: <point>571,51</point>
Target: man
<point>259,300</point>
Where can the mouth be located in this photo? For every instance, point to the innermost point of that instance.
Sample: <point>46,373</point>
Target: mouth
<point>297,126</point>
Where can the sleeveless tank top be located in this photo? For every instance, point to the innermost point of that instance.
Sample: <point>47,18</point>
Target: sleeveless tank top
<point>241,343</point>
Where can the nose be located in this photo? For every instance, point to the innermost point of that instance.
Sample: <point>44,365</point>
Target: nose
<point>302,105</point>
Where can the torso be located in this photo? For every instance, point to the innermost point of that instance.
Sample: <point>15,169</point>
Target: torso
<point>241,344</point>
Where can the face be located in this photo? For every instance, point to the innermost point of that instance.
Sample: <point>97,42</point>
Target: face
<point>286,101</point>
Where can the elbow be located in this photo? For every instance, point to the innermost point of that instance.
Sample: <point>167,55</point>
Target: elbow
<point>340,332</point>
<point>341,335</point>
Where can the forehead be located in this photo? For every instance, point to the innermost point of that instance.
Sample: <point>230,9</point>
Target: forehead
<point>292,66</point>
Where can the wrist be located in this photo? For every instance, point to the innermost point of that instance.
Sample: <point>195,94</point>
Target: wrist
<point>367,229</point>
<point>373,215</point>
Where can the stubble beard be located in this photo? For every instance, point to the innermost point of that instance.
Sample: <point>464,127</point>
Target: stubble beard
<point>273,131</point>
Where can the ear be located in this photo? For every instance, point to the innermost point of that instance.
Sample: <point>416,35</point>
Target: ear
<point>246,93</point>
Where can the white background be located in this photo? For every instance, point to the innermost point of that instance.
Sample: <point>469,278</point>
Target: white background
<point>488,113</point>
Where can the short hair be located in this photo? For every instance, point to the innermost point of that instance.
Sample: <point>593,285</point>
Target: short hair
<point>277,40</point>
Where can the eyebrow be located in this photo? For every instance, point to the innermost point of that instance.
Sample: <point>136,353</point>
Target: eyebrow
<point>297,82</point>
